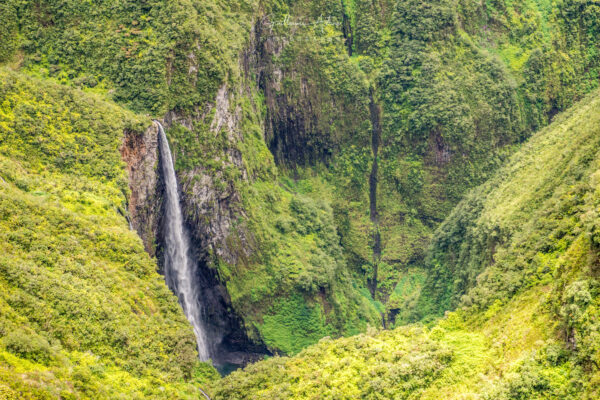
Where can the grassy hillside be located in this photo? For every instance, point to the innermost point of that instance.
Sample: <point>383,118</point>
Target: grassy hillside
<point>524,250</point>
<point>83,312</point>
<point>520,223</point>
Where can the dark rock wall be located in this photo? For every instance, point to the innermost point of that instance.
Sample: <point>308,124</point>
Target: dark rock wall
<point>210,213</point>
<point>140,153</point>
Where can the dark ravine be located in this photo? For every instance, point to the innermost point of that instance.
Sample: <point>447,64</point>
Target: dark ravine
<point>375,112</point>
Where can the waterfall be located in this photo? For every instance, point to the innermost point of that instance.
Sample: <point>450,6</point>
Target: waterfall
<point>180,267</point>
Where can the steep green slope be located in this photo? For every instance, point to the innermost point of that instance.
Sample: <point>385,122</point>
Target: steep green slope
<point>379,116</point>
<point>83,312</point>
<point>278,253</point>
<point>519,224</point>
<point>525,244</point>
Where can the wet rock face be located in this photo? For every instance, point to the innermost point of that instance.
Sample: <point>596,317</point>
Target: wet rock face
<point>213,213</point>
<point>140,153</point>
<point>307,117</point>
<point>293,131</point>
<point>211,210</point>
<point>212,205</point>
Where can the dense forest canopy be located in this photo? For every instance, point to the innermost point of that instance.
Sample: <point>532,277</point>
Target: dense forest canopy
<point>402,187</point>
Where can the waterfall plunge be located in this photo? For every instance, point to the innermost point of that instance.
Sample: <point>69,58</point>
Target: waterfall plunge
<point>180,268</point>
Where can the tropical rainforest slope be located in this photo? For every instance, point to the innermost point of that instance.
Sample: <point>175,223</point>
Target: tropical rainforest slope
<point>318,144</point>
<point>84,312</point>
<point>522,250</point>
<point>321,148</point>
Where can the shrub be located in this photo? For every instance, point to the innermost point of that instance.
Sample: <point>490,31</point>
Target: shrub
<point>28,345</point>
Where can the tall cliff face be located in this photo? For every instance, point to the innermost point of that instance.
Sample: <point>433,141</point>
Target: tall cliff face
<point>140,153</point>
<point>145,205</point>
<point>213,208</point>
<point>212,200</point>
<point>228,178</point>
<point>316,99</point>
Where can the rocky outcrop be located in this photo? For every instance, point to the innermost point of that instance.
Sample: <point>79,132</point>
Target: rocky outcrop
<point>212,204</point>
<point>214,164</point>
<point>139,150</point>
<point>210,210</point>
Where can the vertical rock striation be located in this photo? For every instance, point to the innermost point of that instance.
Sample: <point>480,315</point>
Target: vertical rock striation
<point>375,111</point>
<point>140,153</point>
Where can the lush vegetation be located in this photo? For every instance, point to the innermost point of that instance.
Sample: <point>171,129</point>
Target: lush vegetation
<point>160,56</point>
<point>523,249</point>
<point>301,266</point>
<point>329,149</point>
<point>153,56</point>
<point>83,312</point>
<point>487,230</point>
<point>459,86</point>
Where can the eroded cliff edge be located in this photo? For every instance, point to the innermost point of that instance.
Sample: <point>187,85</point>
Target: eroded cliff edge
<point>139,150</point>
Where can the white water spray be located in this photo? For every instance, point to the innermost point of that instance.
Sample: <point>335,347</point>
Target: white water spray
<point>180,268</point>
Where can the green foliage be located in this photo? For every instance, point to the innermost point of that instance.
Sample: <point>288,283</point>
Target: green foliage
<point>505,354</point>
<point>296,288</point>
<point>519,224</point>
<point>370,366</point>
<point>530,225</point>
<point>204,373</point>
<point>542,377</point>
<point>368,33</point>
<point>317,97</point>
<point>460,83</point>
<point>520,256</point>
<point>294,325</point>
<point>8,31</point>
<point>405,294</point>
<point>459,87</point>
<point>80,300</point>
<point>28,345</point>
<point>156,55</point>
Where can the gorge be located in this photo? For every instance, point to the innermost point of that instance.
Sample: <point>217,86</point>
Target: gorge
<point>299,199</point>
